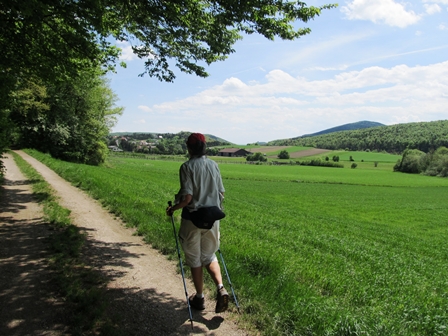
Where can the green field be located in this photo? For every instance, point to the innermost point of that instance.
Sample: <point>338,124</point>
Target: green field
<point>311,250</point>
<point>362,156</point>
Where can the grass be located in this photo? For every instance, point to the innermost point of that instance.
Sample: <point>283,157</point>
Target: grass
<point>368,156</point>
<point>359,157</point>
<point>311,250</point>
<point>81,287</point>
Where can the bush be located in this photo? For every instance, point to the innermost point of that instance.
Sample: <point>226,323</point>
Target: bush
<point>412,162</point>
<point>354,165</point>
<point>437,163</point>
<point>320,163</point>
<point>283,154</point>
<point>256,157</point>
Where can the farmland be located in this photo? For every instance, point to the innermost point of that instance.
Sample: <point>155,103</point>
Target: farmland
<point>311,250</point>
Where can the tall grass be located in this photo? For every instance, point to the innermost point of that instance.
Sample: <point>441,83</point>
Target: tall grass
<point>311,250</point>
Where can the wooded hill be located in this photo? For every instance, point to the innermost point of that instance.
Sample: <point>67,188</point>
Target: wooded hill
<point>425,136</point>
<point>346,127</point>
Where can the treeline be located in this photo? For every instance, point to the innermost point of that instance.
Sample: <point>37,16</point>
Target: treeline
<point>67,118</point>
<point>424,136</point>
<point>434,163</point>
<point>160,143</point>
<point>53,93</point>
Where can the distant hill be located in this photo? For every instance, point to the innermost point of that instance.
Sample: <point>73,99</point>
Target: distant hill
<point>154,135</point>
<point>136,135</point>
<point>346,127</point>
<point>169,139</point>
<point>214,138</point>
<point>425,136</point>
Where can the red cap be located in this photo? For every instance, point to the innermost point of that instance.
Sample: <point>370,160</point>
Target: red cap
<point>194,138</point>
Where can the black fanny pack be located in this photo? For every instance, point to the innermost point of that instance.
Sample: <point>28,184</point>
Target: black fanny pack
<point>204,218</point>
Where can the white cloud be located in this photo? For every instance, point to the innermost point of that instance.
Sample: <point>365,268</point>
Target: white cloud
<point>388,95</point>
<point>443,2</point>
<point>388,12</point>
<point>144,108</point>
<point>443,27</point>
<point>432,9</point>
<point>126,51</point>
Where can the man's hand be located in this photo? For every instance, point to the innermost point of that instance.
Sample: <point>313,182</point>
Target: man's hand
<point>169,211</point>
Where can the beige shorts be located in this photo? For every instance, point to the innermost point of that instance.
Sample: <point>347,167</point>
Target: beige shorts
<point>199,245</point>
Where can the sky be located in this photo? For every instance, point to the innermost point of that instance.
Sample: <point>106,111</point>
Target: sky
<point>377,60</point>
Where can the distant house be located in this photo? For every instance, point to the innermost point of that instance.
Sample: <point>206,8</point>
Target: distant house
<point>115,149</point>
<point>233,152</point>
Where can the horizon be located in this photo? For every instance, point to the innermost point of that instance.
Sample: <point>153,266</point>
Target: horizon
<point>145,132</point>
<point>379,60</point>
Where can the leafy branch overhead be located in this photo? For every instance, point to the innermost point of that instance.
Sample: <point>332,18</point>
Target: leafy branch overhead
<point>64,34</point>
<point>53,95</point>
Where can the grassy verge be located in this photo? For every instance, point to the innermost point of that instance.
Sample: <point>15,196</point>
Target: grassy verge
<point>80,286</point>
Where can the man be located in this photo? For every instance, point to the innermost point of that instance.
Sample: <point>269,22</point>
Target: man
<point>200,186</point>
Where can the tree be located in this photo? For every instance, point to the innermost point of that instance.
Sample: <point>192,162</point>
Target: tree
<point>437,162</point>
<point>58,34</point>
<point>212,151</point>
<point>52,40</point>
<point>68,119</point>
<point>256,157</point>
<point>411,161</point>
<point>283,154</point>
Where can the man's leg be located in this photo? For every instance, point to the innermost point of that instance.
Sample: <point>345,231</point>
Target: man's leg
<point>198,279</point>
<point>209,246</point>
<point>197,300</point>
<point>215,272</point>
<point>190,238</point>
<point>222,297</point>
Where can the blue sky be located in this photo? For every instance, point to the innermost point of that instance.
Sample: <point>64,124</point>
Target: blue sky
<point>376,60</point>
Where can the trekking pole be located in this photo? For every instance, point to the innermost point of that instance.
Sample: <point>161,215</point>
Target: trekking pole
<point>228,278</point>
<point>181,267</point>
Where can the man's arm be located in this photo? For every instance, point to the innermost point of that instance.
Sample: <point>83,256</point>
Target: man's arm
<point>185,201</point>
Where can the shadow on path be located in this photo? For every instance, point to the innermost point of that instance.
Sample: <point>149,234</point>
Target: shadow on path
<point>29,301</point>
<point>141,311</point>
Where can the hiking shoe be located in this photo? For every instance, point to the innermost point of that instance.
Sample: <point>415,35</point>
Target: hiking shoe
<point>196,302</point>
<point>222,301</point>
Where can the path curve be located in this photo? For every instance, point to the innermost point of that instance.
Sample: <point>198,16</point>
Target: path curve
<point>145,291</point>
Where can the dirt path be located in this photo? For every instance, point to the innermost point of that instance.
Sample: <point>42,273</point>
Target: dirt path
<point>28,305</point>
<point>146,294</point>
